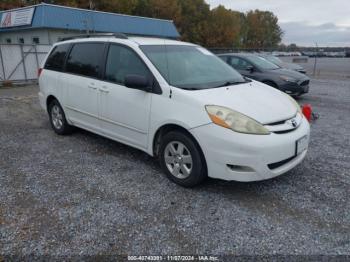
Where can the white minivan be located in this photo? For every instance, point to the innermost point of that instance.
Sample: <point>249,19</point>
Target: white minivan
<point>176,101</point>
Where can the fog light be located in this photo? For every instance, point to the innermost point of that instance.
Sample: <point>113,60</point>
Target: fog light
<point>237,168</point>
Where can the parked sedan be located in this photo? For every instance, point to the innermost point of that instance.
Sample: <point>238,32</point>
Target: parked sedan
<point>258,68</point>
<point>280,63</point>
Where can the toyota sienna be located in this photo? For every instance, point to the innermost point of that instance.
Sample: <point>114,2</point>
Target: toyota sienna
<point>175,101</point>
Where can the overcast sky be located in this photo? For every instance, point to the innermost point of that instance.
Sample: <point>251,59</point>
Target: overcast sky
<point>304,22</point>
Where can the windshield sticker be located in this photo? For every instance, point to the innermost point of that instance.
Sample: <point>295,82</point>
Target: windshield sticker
<point>204,51</point>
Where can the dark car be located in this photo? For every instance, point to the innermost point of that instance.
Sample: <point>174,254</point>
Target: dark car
<point>280,63</point>
<point>260,69</point>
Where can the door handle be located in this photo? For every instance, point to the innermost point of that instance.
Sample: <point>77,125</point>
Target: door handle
<point>104,89</point>
<point>92,86</point>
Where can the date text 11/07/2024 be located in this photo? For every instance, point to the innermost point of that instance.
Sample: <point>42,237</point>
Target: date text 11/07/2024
<point>173,258</point>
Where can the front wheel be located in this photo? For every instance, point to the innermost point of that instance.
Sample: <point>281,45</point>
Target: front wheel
<point>182,160</point>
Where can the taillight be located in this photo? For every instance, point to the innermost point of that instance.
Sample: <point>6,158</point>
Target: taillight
<point>39,72</point>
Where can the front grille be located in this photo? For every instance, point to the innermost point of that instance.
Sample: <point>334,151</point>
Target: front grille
<point>285,131</point>
<point>277,123</point>
<point>305,83</point>
<point>280,163</point>
<point>285,126</point>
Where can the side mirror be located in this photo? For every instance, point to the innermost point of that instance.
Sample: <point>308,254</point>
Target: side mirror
<point>250,69</point>
<point>138,82</point>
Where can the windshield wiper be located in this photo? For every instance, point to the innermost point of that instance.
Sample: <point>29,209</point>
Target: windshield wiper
<point>227,83</point>
<point>189,88</point>
<point>231,83</point>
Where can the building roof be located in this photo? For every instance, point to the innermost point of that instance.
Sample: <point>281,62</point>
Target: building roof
<point>62,17</point>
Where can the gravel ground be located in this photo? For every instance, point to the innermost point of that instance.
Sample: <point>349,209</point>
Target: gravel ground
<point>87,195</point>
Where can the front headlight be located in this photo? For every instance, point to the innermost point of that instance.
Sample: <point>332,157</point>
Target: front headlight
<point>289,79</point>
<point>235,121</point>
<point>297,106</point>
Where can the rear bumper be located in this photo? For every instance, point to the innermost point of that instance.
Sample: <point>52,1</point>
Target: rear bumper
<point>241,157</point>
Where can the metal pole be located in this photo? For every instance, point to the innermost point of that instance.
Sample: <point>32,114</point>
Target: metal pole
<point>315,63</point>
<point>36,57</point>
<point>2,62</point>
<point>24,64</point>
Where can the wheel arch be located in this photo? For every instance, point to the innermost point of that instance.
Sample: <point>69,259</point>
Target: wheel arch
<point>270,83</point>
<point>166,128</point>
<point>49,99</point>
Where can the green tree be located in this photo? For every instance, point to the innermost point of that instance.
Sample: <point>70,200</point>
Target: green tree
<point>193,25</point>
<point>166,9</point>
<point>224,28</point>
<point>263,30</point>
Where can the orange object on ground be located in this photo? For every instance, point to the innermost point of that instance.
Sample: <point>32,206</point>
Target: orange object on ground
<point>307,111</point>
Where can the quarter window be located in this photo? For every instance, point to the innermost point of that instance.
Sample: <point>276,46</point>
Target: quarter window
<point>56,59</point>
<point>85,59</point>
<point>121,62</point>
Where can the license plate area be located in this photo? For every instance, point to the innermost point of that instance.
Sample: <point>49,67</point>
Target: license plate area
<point>301,145</point>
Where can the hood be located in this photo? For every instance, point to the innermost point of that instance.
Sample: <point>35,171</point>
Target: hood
<point>256,100</point>
<point>293,66</point>
<point>290,73</point>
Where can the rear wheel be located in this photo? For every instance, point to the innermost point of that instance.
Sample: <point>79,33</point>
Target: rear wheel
<point>182,160</point>
<point>58,119</point>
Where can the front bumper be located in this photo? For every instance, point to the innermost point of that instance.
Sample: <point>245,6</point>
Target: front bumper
<point>291,88</point>
<point>241,157</point>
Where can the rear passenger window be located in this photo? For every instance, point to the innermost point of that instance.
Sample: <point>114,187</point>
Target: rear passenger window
<point>121,62</point>
<point>85,59</point>
<point>55,60</point>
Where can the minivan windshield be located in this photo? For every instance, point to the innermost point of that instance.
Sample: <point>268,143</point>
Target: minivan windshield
<point>262,63</point>
<point>191,67</point>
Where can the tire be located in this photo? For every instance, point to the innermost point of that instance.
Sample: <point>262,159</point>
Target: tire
<point>58,119</point>
<point>297,95</point>
<point>182,160</point>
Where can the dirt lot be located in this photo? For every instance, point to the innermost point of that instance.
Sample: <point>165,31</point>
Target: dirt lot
<point>87,195</point>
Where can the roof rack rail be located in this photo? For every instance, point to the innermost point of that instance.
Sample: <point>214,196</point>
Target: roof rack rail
<point>116,35</point>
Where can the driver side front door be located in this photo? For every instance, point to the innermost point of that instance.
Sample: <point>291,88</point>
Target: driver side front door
<point>124,112</point>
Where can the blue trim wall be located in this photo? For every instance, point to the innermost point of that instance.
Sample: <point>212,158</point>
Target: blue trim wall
<point>59,17</point>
